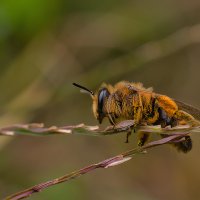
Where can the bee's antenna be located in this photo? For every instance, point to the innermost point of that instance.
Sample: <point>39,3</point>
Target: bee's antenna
<point>83,88</point>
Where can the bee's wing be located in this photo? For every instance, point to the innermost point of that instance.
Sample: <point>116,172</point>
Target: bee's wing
<point>195,112</point>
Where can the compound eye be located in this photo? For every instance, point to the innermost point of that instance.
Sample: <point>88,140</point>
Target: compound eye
<point>103,93</point>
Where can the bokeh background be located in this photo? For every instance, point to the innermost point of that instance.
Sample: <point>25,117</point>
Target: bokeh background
<point>47,45</point>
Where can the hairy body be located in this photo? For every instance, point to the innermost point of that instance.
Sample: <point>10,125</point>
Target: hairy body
<point>131,101</point>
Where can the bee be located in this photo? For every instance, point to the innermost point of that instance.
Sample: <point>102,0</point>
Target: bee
<point>131,101</point>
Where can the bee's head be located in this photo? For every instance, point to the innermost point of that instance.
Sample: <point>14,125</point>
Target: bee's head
<point>99,99</point>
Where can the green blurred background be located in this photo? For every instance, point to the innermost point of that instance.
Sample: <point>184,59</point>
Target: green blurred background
<point>47,45</point>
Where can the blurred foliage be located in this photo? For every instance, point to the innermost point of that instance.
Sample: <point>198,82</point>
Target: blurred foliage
<point>47,45</point>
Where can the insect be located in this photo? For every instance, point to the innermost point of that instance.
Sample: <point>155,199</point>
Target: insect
<point>131,101</point>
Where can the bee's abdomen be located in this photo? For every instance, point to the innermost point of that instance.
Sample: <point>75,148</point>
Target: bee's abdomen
<point>167,104</point>
<point>166,109</point>
<point>185,145</point>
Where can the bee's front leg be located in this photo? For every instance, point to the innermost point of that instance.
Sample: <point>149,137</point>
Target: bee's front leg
<point>126,125</point>
<point>128,134</point>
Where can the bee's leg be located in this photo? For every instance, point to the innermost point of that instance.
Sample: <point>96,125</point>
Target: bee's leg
<point>127,136</point>
<point>189,119</point>
<point>185,145</point>
<point>128,125</point>
<point>143,138</point>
